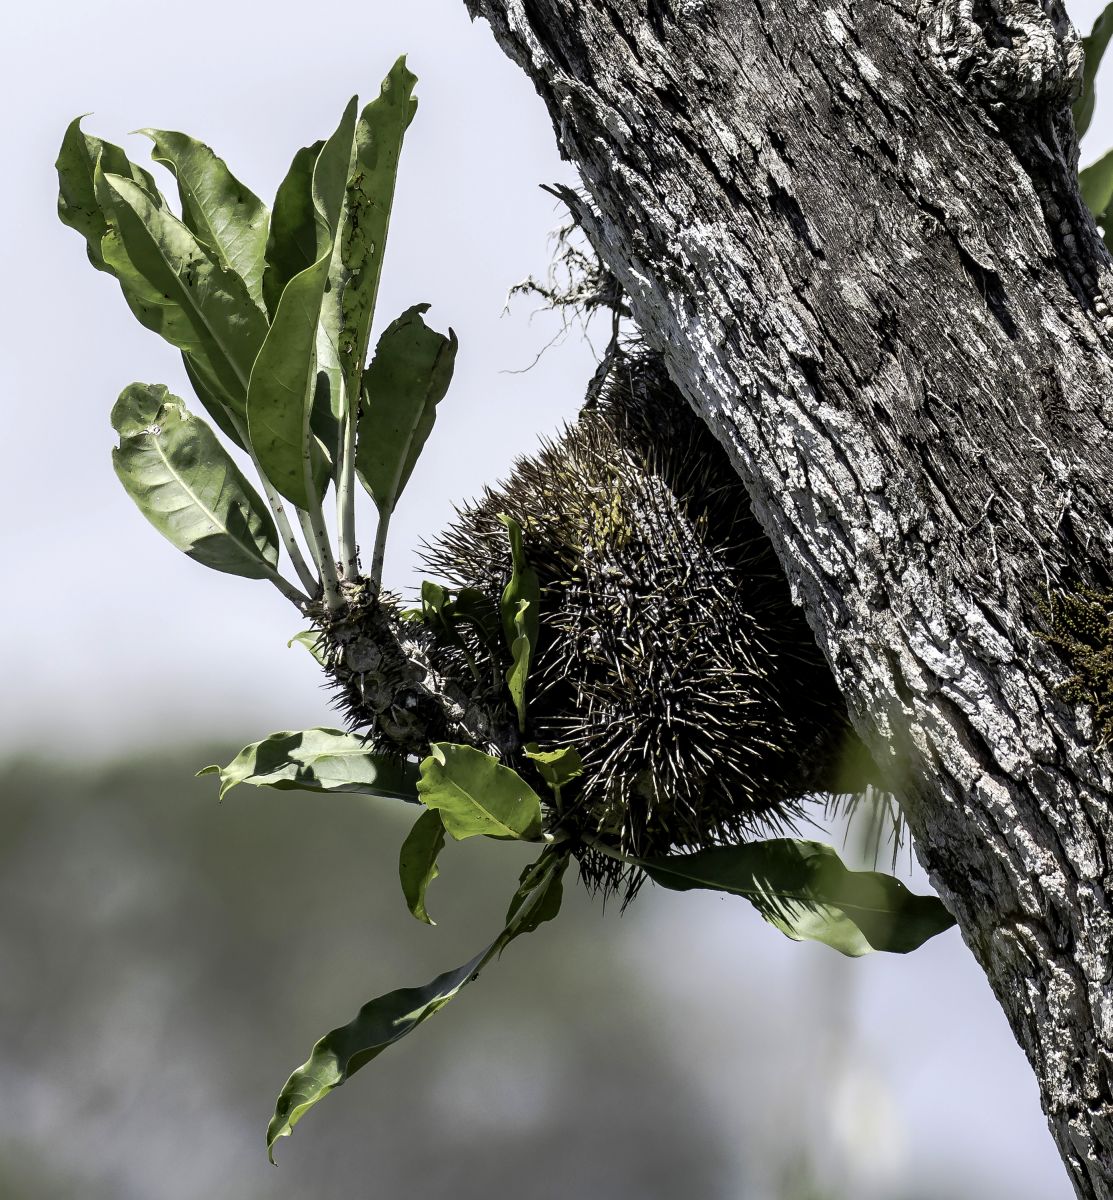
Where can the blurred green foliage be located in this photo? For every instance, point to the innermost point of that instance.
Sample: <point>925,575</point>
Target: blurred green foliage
<point>166,958</point>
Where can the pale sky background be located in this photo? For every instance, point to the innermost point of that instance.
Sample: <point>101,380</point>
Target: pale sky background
<point>112,638</point>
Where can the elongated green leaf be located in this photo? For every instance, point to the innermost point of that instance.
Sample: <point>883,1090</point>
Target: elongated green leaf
<point>417,862</point>
<point>805,890</point>
<point>517,673</point>
<point>190,299</point>
<point>436,611</point>
<point>557,767</point>
<point>1096,185</point>
<point>1094,49</point>
<point>226,216</point>
<point>292,240</point>
<point>476,794</point>
<point>369,199</point>
<point>215,400</point>
<point>407,379</point>
<point>78,206</point>
<point>317,760</point>
<point>471,607</point>
<point>386,1020</point>
<point>523,585</point>
<point>282,391</point>
<point>185,484</point>
<point>540,892</point>
<point>521,601</point>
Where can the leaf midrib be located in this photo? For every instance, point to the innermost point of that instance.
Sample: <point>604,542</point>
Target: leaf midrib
<point>192,306</point>
<point>251,548</point>
<point>452,783</point>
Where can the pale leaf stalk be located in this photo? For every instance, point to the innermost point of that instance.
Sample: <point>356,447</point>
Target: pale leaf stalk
<point>286,533</point>
<point>313,525</point>
<point>346,481</point>
<point>282,522</point>
<point>346,450</point>
<point>300,599</point>
<point>379,555</point>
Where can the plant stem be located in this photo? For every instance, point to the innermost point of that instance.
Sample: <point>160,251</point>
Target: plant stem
<point>316,533</point>
<point>379,555</point>
<point>282,522</point>
<point>286,533</point>
<point>346,484</point>
<point>300,599</point>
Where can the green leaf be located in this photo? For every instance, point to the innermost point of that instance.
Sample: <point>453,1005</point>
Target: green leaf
<point>557,767</point>
<point>78,206</point>
<point>805,890</point>
<point>215,400</point>
<point>186,485</point>
<point>176,288</point>
<point>292,239</point>
<point>436,611</point>
<point>226,216</point>
<point>517,673</point>
<point>81,162</point>
<point>386,1020</point>
<point>472,607</point>
<point>293,247</point>
<point>446,611</point>
<point>368,201</point>
<point>313,641</point>
<point>417,863</point>
<point>317,760</point>
<point>476,794</point>
<point>282,391</point>
<point>1094,48</point>
<point>521,603</point>
<point>541,888</point>
<point>405,382</point>
<point>1096,185</point>
<point>523,585</point>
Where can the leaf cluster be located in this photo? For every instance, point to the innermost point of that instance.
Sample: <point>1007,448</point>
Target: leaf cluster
<point>271,311</point>
<point>800,887</point>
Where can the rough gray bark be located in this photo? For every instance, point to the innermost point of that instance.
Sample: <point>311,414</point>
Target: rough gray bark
<point>853,231</point>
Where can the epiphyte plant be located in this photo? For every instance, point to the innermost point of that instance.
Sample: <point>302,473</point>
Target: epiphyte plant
<point>272,313</point>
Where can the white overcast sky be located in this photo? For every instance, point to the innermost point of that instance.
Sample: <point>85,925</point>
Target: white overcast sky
<point>112,638</point>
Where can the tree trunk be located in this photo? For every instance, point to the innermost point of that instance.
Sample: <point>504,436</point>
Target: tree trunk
<point>853,230</point>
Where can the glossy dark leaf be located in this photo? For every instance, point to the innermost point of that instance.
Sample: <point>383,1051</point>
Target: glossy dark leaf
<point>417,862</point>
<point>317,760</point>
<point>805,890</point>
<point>557,767</point>
<point>389,1018</point>
<point>407,379</point>
<point>477,795</point>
